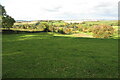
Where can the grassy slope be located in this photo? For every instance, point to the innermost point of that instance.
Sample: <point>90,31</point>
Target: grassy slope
<point>102,22</point>
<point>40,55</point>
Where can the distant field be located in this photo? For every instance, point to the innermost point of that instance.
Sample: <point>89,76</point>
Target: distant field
<point>106,22</point>
<point>42,55</point>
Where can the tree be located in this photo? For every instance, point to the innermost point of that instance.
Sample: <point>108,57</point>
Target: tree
<point>7,21</point>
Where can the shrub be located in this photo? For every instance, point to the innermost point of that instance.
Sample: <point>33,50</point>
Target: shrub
<point>90,29</point>
<point>86,29</point>
<point>41,27</point>
<point>46,27</point>
<point>67,30</point>
<point>55,29</point>
<point>102,31</point>
<point>60,30</point>
<point>50,28</point>
<point>79,27</point>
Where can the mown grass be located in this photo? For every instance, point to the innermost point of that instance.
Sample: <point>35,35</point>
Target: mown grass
<point>42,55</point>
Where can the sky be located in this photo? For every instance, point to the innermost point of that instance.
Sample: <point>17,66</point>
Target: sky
<point>61,9</point>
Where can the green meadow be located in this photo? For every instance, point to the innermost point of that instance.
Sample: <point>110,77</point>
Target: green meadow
<point>46,55</point>
<point>36,47</point>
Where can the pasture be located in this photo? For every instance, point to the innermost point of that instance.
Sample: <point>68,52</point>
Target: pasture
<point>45,55</point>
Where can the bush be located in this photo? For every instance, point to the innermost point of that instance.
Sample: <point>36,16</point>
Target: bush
<point>41,27</point>
<point>55,29</point>
<point>102,31</point>
<point>90,29</point>
<point>79,27</point>
<point>67,30</point>
<point>50,28</point>
<point>60,30</point>
<point>46,27</point>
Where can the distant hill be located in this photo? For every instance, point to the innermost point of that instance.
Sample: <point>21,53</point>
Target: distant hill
<point>20,20</point>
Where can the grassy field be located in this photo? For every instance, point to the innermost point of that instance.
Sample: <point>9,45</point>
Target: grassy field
<point>105,22</point>
<point>42,55</point>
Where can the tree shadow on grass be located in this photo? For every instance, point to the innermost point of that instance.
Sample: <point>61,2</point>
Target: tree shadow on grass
<point>26,36</point>
<point>18,31</point>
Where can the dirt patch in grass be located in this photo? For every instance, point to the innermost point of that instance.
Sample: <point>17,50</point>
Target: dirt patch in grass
<point>82,35</point>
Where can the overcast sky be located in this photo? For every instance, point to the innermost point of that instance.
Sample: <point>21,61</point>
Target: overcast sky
<point>61,9</point>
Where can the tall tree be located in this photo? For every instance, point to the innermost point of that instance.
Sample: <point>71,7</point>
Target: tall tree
<point>7,21</point>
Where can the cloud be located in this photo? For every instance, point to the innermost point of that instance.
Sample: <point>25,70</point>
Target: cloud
<point>54,9</point>
<point>61,9</point>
